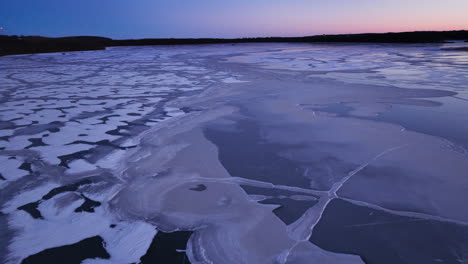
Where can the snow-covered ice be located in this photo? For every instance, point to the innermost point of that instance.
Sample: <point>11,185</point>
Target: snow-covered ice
<point>236,144</point>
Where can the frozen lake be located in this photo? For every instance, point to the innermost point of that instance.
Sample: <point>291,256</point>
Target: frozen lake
<point>246,153</point>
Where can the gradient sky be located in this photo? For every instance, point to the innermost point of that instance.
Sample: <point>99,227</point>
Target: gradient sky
<point>227,18</point>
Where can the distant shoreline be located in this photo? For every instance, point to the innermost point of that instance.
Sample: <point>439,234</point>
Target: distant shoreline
<point>12,45</point>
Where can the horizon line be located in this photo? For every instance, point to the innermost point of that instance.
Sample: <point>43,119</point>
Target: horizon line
<point>265,37</point>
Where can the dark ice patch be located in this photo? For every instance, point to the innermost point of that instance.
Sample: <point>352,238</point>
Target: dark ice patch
<point>61,109</point>
<point>383,238</point>
<point>435,121</point>
<point>31,209</point>
<point>116,132</point>
<point>131,128</point>
<point>380,183</point>
<point>89,248</point>
<point>290,209</point>
<point>66,188</point>
<point>106,118</point>
<point>87,114</point>
<point>187,110</point>
<point>245,154</point>
<point>26,166</point>
<point>54,130</point>
<point>273,192</point>
<point>10,125</point>
<point>199,188</point>
<point>104,143</point>
<point>265,191</point>
<point>88,205</point>
<point>35,142</point>
<point>65,159</point>
<point>163,248</point>
<point>39,128</point>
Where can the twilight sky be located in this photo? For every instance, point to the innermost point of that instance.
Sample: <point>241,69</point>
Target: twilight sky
<point>227,18</point>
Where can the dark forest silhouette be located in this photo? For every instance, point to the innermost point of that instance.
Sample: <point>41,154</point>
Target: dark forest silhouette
<point>35,44</point>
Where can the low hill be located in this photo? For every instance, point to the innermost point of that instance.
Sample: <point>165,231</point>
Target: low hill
<point>36,44</point>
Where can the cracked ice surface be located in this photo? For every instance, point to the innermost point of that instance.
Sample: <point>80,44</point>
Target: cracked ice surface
<point>259,151</point>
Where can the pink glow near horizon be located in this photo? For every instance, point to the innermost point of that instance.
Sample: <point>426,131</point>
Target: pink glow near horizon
<point>306,17</point>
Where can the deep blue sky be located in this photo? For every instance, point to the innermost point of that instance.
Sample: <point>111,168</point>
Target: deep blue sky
<point>227,18</point>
